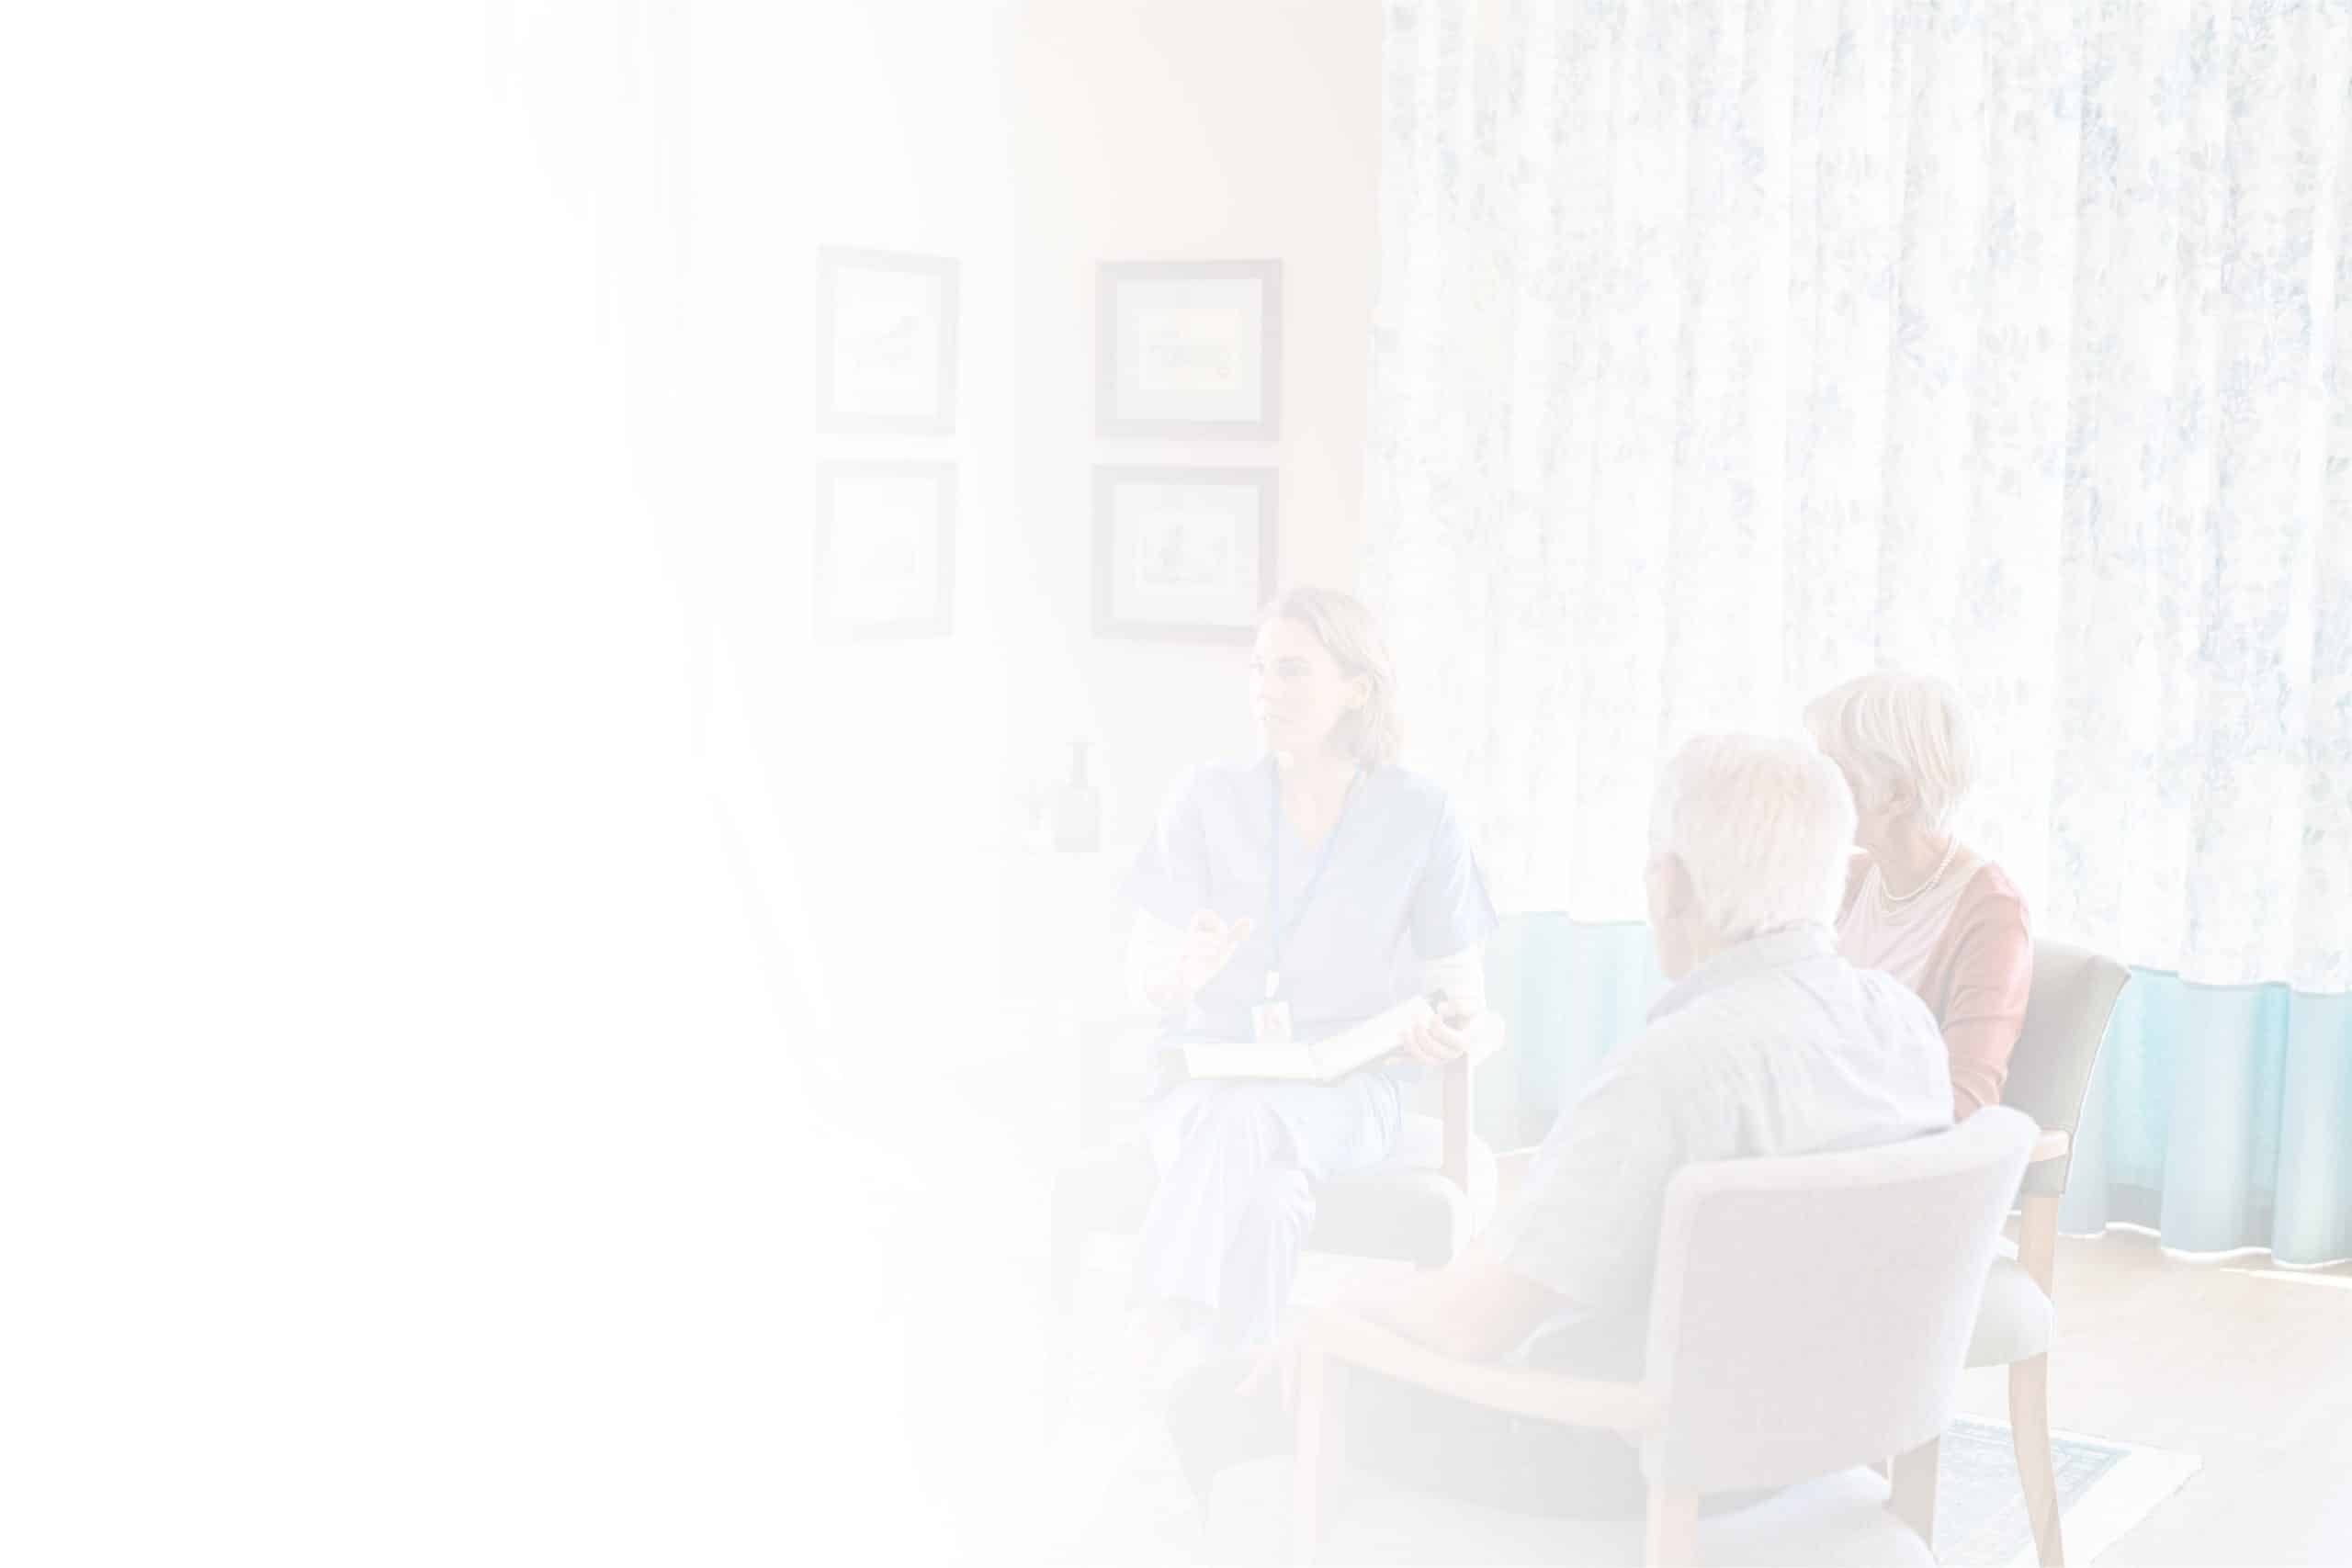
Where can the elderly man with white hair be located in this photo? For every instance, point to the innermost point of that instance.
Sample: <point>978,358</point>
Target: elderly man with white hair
<point>1765,1042</point>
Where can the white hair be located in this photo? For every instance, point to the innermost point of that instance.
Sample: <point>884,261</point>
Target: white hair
<point>1895,731</point>
<point>1763,827</point>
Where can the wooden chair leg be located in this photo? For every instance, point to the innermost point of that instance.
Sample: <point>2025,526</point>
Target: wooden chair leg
<point>1322,1452</point>
<point>1912,1476</point>
<point>2030,1428</point>
<point>1456,1123</point>
<point>1672,1541</point>
<point>2038,1239</point>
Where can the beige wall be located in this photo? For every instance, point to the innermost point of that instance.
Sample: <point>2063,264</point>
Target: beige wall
<point>1031,139</point>
<point>1148,130</point>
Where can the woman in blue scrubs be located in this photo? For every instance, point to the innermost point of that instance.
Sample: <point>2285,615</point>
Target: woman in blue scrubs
<point>1297,895</point>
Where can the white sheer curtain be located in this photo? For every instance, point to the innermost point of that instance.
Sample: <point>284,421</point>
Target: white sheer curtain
<point>1728,350</point>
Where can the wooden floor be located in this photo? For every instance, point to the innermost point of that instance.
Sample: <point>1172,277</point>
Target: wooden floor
<point>2246,1365</point>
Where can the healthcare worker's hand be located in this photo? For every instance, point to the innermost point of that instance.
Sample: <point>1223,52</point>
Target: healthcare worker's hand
<point>1201,950</point>
<point>1209,946</point>
<point>1438,1038</point>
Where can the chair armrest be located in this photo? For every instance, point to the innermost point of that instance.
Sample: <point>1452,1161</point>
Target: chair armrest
<point>2052,1144</point>
<point>1485,1038</point>
<point>1573,1402</point>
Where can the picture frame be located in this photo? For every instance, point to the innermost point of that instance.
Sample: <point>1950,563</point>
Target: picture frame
<point>885,341</point>
<point>885,548</point>
<point>1184,554</point>
<point>1188,350</point>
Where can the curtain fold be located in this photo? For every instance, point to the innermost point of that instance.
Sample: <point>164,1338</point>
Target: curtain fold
<point>1727,351</point>
<point>2216,1120</point>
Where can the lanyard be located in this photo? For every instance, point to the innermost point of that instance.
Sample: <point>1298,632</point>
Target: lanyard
<point>1278,930</point>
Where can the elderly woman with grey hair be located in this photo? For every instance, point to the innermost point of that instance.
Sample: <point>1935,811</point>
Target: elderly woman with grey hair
<point>1919,904</point>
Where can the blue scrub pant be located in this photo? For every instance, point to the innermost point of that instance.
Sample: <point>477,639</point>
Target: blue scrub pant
<point>1238,1164</point>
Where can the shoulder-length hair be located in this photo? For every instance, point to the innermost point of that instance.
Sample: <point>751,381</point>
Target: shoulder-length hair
<point>1896,730</point>
<point>1345,629</point>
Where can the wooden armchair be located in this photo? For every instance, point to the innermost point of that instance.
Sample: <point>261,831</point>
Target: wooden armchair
<point>1808,1319</point>
<point>2074,996</point>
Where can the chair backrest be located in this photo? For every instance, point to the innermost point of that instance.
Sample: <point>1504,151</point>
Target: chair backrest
<point>1810,1313</point>
<point>2066,1018</point>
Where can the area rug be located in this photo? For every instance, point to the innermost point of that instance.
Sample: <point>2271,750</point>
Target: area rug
<point>2104,1489</point>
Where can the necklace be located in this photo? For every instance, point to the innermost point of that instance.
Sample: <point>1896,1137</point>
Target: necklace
<point>1893,899</point>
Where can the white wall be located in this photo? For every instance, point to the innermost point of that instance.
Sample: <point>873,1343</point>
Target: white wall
<point>416,454</point>
<point>396,1124</point>
<point>879,125</point>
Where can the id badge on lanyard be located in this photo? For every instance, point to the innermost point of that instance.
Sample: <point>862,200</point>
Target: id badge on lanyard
<point>1270,1020</point>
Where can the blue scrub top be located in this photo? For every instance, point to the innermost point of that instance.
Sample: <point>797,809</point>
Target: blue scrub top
<point>1400,885</point>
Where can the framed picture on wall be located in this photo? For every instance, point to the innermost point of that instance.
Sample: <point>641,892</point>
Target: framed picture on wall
<point>886,549</point>
<point>1189,349</point>
<point>886,343</point>
<point>1182,554</point>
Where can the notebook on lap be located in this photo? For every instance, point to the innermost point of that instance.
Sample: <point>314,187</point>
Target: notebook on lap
<point>1335,1055</point>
